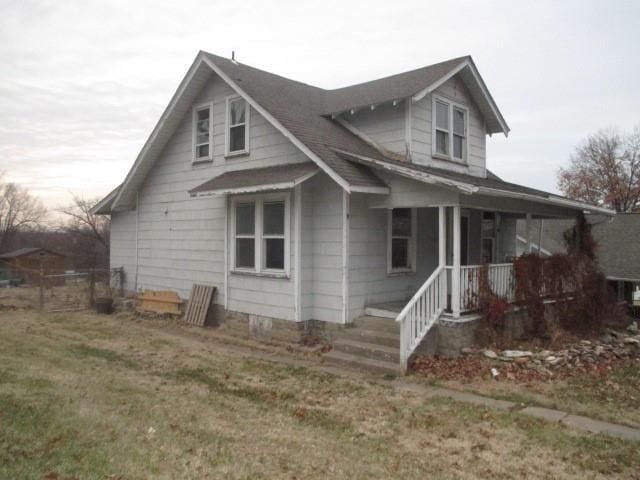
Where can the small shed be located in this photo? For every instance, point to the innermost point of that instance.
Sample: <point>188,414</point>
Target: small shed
<point>25,263</point>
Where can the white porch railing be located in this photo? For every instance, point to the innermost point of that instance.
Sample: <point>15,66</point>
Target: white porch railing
<point>422,311</point>
<point>501,281</point>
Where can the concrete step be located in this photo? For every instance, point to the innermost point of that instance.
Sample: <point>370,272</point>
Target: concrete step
<point>367,322</point>
<point>367,350</point>
<point>369,365</point>
<point>377,337</point>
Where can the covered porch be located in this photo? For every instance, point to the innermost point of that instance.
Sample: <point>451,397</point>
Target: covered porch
<point>476,232</point>
<point>468,239</point>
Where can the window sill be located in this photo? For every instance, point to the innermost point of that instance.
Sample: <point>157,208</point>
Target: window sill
<point>201,161</point>
<point>446,158</point>
<point>252,273</point>
<point>243,153</point>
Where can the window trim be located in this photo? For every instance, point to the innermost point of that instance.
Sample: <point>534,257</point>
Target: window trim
<point>452,105</point>
<point>194,133</point>
<point>412,243</point>
<point>259,237</point>
<point>227,134</point>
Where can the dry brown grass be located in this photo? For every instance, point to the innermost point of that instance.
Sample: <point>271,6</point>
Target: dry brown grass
<point>87,396</point>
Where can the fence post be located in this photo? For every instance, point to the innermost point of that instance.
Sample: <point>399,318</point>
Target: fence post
<point>121,281</point>
<point>41,299</point>
<point>92,287</point>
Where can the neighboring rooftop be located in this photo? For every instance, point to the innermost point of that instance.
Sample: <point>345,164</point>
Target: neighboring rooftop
<point>26,251</point>
<point>618,241</point>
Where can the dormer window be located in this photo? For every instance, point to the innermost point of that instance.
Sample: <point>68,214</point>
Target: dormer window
<point>237,138</point>
<point>202,133</point>
<point>449,130</point>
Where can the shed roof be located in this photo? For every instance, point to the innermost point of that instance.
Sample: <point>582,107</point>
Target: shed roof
<point>257,179</point>
<point>27,251</point>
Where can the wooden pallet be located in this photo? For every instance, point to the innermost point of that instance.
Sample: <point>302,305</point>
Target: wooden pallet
<point>199,303</point>
<point>160,302</point>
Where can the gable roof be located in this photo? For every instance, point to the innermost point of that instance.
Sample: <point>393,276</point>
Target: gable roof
<point>300,112</point>
<point>416,84</point>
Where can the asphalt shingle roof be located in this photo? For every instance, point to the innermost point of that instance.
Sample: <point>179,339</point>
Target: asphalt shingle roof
<point>394,87</point>
<point>618,240</point>
<point>253,177</point>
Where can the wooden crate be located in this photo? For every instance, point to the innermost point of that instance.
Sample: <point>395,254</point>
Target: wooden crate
<point>160,302</point>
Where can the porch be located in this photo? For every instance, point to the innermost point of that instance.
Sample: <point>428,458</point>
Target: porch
<point>469,240</point>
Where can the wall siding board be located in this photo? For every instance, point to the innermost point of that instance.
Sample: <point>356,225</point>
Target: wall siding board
<point>181,239</point>
<point>421,134</point>
<point>369,281</point>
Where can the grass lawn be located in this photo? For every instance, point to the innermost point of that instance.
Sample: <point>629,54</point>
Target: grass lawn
<point>86,396</point>
<point>614,397</point>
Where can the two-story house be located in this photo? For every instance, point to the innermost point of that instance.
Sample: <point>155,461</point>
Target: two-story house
<point>300,203</point>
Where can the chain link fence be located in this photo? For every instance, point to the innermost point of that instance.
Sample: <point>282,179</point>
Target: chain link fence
<point>57,292</point>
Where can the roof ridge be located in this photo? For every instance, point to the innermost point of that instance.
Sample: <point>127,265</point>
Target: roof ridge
<point>332,90</point>
<point>406,72</point>
<point>244,65</point>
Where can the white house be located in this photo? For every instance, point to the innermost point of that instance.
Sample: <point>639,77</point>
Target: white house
<point>300,203</point>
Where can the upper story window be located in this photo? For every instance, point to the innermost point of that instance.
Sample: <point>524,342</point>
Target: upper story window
<point>402,239</point>
<point>202,132</point>
<point>237,137</point>
<point>449,130</point>
<point>261,234</point>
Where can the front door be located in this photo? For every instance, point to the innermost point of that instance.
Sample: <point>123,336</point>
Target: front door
<point>464,240</point>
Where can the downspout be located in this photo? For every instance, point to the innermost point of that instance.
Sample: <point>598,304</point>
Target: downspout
<point>135,284</point>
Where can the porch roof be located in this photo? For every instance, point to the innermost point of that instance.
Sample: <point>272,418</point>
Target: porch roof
<point>248,180</point>
<point>489,186</point>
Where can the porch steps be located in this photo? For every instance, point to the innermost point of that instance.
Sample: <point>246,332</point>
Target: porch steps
<point>372,336</point>
<point>371,344</point>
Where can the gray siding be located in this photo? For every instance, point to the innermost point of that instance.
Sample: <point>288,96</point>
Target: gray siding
<point>123,245</point>
<point>322,250</point>
<point>369,281</point>
<point>385,125</point>
<point>421,130</point>
<point>181,239</point>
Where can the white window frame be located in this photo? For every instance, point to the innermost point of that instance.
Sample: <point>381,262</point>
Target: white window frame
<point>247,120</point>
<point>258,236</point>
<point>465,144</point>
<point>412,244</point>
<point>196,110</point>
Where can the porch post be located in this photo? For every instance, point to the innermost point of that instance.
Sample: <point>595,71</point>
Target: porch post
<point>455,274</point>
<point>442,236</point>
<point>528,226</point>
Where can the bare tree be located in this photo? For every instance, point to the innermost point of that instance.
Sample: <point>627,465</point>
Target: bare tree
<point>80,219</point>
<point>605,170</point>
<point>19,210</point>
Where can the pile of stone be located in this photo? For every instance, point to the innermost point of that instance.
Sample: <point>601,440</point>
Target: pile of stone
<point>584,355</point>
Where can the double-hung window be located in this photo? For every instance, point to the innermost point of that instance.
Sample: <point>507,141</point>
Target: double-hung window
<point>449,130</point>
<point>261,232</point>
<point>402,240</point>
<point>237,137</point>
<point>202,133</point>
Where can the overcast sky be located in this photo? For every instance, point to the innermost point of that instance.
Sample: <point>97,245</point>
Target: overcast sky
<point>83,83</point>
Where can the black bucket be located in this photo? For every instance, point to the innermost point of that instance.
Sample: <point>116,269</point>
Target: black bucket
<point>104,305</point>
